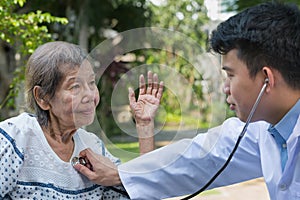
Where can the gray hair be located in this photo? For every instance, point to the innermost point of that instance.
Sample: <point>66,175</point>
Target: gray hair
<point>43,69</point>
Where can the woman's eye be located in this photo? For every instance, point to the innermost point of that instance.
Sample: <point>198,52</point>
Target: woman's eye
<point>75,87</point>
<point>93,84</point>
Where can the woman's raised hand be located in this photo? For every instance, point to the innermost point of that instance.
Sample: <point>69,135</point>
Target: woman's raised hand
<point>145,107</point>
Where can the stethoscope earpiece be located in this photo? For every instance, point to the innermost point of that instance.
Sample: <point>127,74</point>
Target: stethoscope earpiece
<point>266,81</point>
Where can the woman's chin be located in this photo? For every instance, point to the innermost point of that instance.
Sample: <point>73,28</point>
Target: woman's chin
<point>84,121</point>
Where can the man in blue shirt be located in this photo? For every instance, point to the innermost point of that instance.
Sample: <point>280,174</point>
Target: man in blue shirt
<point>260,43</point>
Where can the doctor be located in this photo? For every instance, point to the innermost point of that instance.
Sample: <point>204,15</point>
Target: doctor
<point>261,49</point>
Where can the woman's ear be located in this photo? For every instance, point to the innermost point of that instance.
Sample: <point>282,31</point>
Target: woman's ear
<point>269,74</point>
<point>43,104</point>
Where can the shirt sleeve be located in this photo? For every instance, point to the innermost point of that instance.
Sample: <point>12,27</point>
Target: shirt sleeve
<point>184,167</point>
<point>11,159</point>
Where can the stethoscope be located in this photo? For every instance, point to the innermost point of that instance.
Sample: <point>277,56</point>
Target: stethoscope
<point>236,145</point>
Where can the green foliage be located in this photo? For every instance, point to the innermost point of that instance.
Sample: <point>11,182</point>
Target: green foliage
<point>185,16</point>
<point>188,121</point>
<point>24,32</point>
<point>97,16</point>
<point>27,30</point>
<point>125,151</point>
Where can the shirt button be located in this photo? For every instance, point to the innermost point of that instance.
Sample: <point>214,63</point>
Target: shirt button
<point>282,187</point>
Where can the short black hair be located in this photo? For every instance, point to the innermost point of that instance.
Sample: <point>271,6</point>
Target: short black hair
<point>267,34</point>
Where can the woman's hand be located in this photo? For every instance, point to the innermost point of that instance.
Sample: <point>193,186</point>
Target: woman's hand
<point>148,101</point>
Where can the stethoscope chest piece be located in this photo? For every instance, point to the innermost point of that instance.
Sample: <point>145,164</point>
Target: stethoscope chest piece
<point>78,160</point>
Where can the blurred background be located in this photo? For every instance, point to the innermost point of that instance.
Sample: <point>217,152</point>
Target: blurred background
<point>26,24</point>
<point>191,102</point>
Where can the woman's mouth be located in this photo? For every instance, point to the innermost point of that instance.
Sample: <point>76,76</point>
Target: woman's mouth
<point>88,111</point>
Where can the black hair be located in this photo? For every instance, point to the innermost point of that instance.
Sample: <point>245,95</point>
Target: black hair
<point>264,35</point>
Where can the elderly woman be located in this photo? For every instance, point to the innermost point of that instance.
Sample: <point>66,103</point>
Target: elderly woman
<point>36,150</point>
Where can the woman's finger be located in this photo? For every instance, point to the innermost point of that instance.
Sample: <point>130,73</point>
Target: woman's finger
<point>150,82</point>
<point>142,84</point>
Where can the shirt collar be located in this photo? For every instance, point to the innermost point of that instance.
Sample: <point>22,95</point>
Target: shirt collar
<point>286,125</point>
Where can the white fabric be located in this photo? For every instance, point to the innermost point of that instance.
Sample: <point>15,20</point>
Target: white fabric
<point>185,166</point>
<point>30,169</point>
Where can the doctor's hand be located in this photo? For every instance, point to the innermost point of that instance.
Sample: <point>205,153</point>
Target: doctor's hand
<point>102,171</point>
<point>145,107</point>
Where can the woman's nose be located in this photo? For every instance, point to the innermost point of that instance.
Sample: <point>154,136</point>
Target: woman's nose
<point>89,95</point>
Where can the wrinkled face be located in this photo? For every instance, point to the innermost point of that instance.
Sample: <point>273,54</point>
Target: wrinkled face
<point>76,98</point>
<point>240,88</point>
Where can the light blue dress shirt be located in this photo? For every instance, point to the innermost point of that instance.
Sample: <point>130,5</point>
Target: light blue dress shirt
<point>185,166</point>
<point>282,131</point>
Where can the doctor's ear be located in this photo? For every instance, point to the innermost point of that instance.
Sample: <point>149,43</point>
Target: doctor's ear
<point>40,100</point>
<point>269,78</point>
